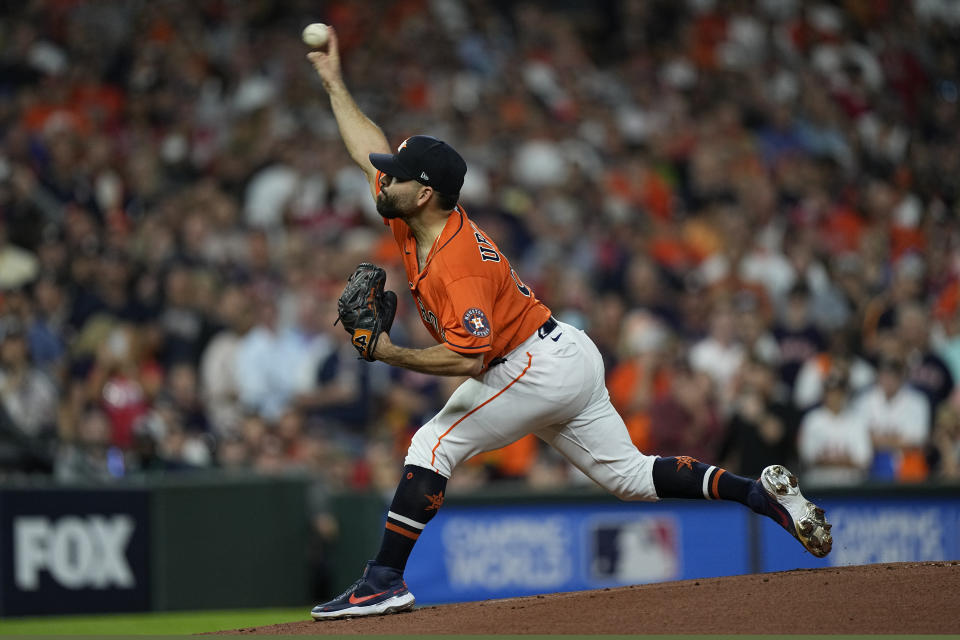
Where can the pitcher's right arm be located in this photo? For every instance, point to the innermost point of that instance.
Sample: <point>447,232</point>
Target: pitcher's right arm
<point>360,134</point>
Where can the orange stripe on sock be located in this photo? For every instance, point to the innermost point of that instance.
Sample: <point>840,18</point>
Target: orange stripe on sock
<point>716,483</point>
<point>402,531</point>
<point>433,452</point>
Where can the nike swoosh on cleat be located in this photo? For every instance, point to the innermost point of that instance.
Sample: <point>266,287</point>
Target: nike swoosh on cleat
<point>355,600</point>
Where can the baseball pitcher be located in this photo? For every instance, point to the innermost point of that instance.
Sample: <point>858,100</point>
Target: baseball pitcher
<point>527,372</point>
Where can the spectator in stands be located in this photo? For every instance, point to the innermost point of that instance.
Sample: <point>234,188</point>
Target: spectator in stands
<point>181,321</point>
<point>841,358</point>
<point>898,419</point>
<point>645,288</point>
<point>18,266</point>
<point>160,442</point>
<point>181,394</point>
<point>687,418</point>
<point>27,395</point>
<point>946,336</point>
<point>850,287</point>
<point>926,370</point>
<point>834,441</point>
<point>762,427</point>
<point>719,355</point>
<point>120,381</point>
<point>946,441</point>
<point>753,328</point>
<point>89,455</point>
<point>47,330</point>
<point>880,313</point>
<point>261,363</point>
<point>232,453</point>
<point>218,383</point>
<point>798,338</point>
<point>641,379</point>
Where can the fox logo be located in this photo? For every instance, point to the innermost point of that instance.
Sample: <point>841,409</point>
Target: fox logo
<point>78,552</point>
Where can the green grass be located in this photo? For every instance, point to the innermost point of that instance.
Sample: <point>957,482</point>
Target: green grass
<point>172,623</point>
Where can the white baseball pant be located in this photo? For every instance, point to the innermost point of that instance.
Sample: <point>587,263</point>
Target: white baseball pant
<point>552,386</point>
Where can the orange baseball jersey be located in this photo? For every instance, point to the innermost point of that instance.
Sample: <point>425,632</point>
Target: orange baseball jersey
<point>469,297</point>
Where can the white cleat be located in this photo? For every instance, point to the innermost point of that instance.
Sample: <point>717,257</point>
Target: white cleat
<point>804,520</point>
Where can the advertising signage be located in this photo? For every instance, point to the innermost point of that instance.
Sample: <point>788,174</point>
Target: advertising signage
<point>74,551</point>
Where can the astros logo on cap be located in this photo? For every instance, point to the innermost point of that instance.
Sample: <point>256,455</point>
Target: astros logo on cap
<point>476,322</point>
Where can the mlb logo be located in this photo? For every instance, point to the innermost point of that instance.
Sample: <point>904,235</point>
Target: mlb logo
<point>634,551</point>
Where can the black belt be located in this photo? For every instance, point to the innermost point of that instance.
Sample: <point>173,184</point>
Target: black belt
<point>545,329</point>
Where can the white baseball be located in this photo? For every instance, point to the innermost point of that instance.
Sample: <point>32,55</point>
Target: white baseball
<point>316,35</point>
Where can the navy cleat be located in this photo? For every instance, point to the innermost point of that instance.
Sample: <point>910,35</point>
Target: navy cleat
<point>777,495</point>
<point>381,590</point>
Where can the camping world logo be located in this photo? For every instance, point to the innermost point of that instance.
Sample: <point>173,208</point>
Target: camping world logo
<point>476,322</point>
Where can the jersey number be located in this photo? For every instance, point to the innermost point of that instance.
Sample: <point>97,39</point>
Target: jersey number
<point>489,254</point>
<point>431,319</point>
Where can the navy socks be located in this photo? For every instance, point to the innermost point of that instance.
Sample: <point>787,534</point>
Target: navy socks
<point>686,477</point>
<point>418,498</point>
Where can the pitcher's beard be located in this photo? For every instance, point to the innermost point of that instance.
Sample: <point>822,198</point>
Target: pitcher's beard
<point>387,207</point>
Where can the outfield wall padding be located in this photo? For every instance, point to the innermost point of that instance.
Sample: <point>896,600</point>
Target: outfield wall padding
<point>190,542</point>
<point>197,541</point>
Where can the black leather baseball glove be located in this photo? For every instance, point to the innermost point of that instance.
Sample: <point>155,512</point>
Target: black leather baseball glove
<point>365,309</point>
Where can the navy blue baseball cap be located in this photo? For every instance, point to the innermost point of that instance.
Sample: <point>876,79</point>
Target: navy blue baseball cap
<point>429,161</point>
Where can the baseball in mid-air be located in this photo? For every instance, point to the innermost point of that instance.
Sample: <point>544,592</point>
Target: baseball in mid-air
<point>316,35</point>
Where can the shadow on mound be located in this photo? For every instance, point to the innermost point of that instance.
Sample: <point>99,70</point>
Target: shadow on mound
<point>900,598</point>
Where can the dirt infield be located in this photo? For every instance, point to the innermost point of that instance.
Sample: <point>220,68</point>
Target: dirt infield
<point>900,598</point>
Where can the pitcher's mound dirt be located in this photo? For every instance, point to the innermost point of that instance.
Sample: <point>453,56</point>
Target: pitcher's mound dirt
<point>899,598</point>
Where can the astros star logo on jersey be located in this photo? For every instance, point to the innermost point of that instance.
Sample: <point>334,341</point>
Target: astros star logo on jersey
<point>476,322</point>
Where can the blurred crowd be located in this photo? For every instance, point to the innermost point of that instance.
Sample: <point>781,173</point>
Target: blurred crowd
<point>751,205</point>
